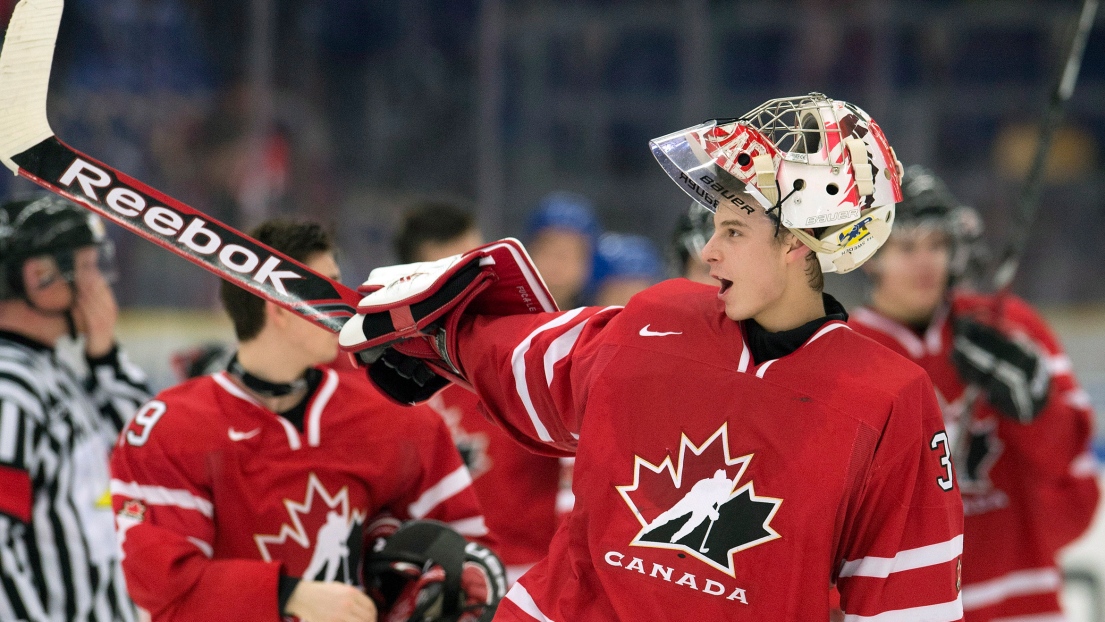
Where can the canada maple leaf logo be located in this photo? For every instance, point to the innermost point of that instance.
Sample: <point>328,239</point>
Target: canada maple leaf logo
<point>324,525</point>
<point>699,505</point>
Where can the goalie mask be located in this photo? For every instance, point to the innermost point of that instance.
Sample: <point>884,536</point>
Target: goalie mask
<point>822,168</point>
<point>48,226</point>
<point>427,572</point>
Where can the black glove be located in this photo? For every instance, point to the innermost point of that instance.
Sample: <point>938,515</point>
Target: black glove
<point>1015,377</point>
<point>404,378</point>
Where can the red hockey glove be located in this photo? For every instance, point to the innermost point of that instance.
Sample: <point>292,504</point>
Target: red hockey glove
<point>405,329</point>
<point>1014,376</point>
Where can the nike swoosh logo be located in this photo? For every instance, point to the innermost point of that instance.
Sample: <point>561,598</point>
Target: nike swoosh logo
<point>645,332</point>
<point>241,436</point>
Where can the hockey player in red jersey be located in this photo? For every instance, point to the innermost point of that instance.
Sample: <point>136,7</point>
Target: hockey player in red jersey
<point>834,446</point>
<point>523,494</point>
<point>242,495</point>
<point>1025,469</point>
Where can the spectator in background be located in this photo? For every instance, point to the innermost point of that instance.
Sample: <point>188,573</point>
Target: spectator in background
<point>523,494</point>
<point>1023,463</point>
<point>57,427</point>
<point>624,265</point>
<point>693,230</point>
<point>244,495</point>
<point>561,235</point>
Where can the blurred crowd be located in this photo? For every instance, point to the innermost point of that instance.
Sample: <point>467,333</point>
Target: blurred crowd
<point>346,109</point>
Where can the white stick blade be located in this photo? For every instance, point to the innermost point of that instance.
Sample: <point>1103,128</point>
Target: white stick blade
<point>25,76</point>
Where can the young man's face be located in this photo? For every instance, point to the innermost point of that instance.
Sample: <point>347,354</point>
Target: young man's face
<point>563,258</point>
<point>910,273</point>
<point>46,287</point>
<point>432,251</point>
<point>748,260</point>
<point>314,343</point>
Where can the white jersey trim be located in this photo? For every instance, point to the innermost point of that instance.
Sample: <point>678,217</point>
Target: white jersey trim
<point>1020,583</point>
<point>828,328</point>
<point>518,595</point>
<point>473,527</point>
<point>560,348</point>
<point>159,495</point>
<point>204,547</point>
<point>944,612</point>
<point>909,559</point>
<point>314,417</point>
<point>234,390</point>
<point>449,485</point>
<point>899,333</point>
<point>518,366</point>
<point>1084,465</point>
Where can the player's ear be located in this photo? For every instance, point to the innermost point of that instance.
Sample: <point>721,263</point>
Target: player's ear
<point>796,249</point>
<point>275,315</point>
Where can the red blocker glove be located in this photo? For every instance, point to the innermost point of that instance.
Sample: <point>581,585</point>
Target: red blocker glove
<point>426,572</point>
<point>405,328</point>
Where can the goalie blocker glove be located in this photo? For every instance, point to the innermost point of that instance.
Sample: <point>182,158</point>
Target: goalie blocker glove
<point>1014,376</point>
<point>427,572</point>
<point>405,327</point>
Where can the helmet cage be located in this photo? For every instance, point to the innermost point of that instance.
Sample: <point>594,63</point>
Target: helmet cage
<point>810,162</point>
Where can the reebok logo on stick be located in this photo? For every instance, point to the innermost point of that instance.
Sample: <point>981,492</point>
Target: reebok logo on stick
<point>198,235</point>
<point>29,148</point>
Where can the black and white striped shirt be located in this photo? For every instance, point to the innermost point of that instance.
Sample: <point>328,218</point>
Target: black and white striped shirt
<point>58,552</point>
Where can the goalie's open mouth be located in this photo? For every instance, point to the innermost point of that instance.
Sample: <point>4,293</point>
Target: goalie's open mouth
<point>725,285</point>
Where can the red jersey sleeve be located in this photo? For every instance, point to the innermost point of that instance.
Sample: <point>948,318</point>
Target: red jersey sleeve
<point>444,491</point>
<point>1054,449</point>
<point>164,520</point>
<point>903,535</point>
<point>532,372</point>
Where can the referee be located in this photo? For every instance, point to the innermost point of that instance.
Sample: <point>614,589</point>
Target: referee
<point>58,558</point>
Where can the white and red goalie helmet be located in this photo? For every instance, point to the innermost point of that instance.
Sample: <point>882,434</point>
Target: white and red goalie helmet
<point>822,167</point>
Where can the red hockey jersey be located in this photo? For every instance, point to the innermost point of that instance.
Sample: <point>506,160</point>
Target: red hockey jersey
<point>520,492</point>
<point>214,494</point>
<point>710,487</point>
<point>1027,489</point>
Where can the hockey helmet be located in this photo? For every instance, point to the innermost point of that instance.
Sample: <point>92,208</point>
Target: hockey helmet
<point>691,234</point>
<point>427,572</point>
<point>927,202</point>
<point>46,226</point>
<point>822,168</point>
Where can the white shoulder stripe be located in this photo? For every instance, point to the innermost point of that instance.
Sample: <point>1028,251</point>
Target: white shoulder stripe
<point>159,495</point>
<point>826,330</point>
<point>910,559</point>
<point>449,485</point>
<point>905,337</point>
<point>520,597</point>
<point>944,612</point>
<point>518,366</point>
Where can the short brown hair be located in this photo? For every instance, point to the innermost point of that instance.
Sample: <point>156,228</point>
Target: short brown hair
<point>299,240</point>
<point>430,221</point>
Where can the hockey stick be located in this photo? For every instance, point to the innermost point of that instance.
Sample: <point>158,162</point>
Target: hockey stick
<point>703,548</point>
<point>31,150</point>
<point>1029,200</point>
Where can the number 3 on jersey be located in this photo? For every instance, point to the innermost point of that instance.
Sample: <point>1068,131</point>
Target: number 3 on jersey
<point>143,423</point>
<point>940,441</point>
